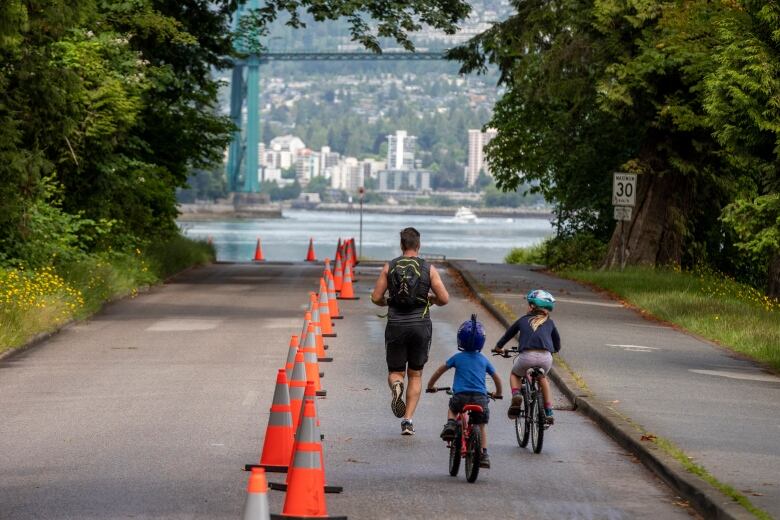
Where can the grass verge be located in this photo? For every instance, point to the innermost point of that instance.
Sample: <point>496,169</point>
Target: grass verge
<point>710,304</point>
<point>39,301</point>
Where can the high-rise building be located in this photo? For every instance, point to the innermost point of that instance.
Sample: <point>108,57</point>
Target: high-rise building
<point>400,151</point>
<point>477,142</point>
<point>307,166</point>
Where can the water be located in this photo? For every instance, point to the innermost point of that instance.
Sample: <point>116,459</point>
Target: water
<point>487,240</point>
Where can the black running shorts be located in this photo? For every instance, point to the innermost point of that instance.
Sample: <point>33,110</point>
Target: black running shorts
<point>407,344</point>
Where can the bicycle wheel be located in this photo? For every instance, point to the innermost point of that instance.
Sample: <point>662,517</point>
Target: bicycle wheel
<point>537,421</point>
<point>473,455</point>
<point>522,426</point>
<point>455,452</point>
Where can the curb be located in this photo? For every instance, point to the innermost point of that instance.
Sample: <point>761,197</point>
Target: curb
<point>705,498</point>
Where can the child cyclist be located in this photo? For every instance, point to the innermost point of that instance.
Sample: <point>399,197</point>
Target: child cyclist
<point>468,386</point>
<point>539,339</point>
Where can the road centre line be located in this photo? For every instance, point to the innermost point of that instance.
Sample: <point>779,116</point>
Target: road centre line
<point>634,348</point>
<point>183,325</point>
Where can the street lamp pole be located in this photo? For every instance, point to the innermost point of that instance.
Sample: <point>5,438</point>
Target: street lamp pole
<point>361,192</point>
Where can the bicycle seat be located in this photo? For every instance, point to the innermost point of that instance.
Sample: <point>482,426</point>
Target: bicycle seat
<point>472,408</point>
<point>535,371</point>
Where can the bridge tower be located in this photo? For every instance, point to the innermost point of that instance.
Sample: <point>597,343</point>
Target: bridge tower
<point>243,155</point>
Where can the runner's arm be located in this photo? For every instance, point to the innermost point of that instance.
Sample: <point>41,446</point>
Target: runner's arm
<point>436,375</point>
<point>378,296</point>
<point>440,294</point>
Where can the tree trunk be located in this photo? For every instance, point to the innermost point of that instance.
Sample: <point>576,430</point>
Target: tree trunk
<point>773,288</point>
<point>655,234</point>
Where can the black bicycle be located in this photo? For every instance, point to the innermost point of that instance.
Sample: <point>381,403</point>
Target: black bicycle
<point>531,422</point>
<point>467,443</point>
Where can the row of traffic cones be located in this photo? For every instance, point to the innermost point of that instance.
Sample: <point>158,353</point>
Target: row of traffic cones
<point>292,442</point>
<point>346,250</point>
<point>260,257</point>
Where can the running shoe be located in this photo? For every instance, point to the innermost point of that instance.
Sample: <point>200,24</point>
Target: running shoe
<point>407,428</point>
<point>484,460</point>
<point>397,403</point>
<point>548,416</point>
<point>515,407</point>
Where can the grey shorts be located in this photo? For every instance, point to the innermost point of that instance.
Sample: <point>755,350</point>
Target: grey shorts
<point>532,358</point>
<point>459,400</point>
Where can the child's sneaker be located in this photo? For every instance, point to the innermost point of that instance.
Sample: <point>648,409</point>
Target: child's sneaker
<point>449,431</point>
<point>484,460</point>
<point>548,416</point>
<point>407,428</point>
<point>515,407</point>
<point>397,403</point>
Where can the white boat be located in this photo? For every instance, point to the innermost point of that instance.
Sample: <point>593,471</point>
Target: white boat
<point>465,214</point>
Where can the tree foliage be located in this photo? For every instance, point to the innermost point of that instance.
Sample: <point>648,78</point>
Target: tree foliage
<point>683,93</point>
<point>108,106</point>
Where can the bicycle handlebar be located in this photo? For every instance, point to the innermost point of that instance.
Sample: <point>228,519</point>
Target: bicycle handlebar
<point>507,353</point>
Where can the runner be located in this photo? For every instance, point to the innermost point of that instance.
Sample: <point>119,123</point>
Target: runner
<point>408,280</point>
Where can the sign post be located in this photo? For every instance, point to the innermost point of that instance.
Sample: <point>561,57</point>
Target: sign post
<point>624,200</point>
<point>361,192</point>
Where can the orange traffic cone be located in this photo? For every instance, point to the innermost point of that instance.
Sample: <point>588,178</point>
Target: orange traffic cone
<point>338,248</point>
<point>314,307</point>
<point>334,306</point>
<point>309,349</point>
<point>256,505</point>
<point>258,253</point>
<point>325,323</point>
<point>353,250</point>
<point>297,387</point>
<point>318,342</point>
<point>290,364</point>
<point>306,321</point>
<point>278,444</point>
<point>305,496</point>
<point>309,396</point>
<point>347,292</point>
<point>310,256</point>
<point>338,272</point>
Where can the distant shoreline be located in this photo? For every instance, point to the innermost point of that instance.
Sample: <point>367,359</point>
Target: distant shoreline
<point>199,212</point>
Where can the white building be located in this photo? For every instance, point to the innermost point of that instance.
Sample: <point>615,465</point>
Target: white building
<point>348,175</point>
<point>282,151</point>
<point>404,180</point>
<point>477,142</point>
<point>307,166</point>
<point>400,151</point>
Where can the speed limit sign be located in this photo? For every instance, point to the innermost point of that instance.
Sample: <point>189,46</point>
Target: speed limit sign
<point>624,189</point>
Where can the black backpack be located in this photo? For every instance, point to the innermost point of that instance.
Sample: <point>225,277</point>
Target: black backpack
<point>403,282</point>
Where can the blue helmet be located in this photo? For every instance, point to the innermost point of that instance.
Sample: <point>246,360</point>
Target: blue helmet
<point>541,298</point>
<point>471,335</point>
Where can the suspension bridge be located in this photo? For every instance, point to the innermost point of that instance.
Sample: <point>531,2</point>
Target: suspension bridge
<point>243,167</point>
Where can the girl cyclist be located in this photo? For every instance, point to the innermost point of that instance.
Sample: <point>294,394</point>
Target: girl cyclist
<point>539,339</point>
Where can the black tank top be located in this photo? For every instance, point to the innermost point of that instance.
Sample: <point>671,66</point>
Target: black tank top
<point>415,313</point>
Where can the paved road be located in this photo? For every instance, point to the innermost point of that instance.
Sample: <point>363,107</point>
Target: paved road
<point>151,409</point>
<point>723,411</point>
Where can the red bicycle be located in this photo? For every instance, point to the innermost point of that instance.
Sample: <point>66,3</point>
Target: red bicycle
<point>467,443</point>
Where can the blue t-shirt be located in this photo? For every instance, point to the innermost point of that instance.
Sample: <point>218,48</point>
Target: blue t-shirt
<point>470,370</point>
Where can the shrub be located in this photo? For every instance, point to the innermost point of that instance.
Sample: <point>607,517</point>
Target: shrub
<point>579,251</point>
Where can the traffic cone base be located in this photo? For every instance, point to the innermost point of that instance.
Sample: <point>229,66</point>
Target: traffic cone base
<point>281,486</point>
<point>268,469</point>
<point>274,516</point>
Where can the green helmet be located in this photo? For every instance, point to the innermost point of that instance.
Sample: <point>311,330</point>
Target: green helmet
<point>541,298</point>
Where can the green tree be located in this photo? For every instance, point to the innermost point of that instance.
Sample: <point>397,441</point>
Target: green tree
<point>743,108</point>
